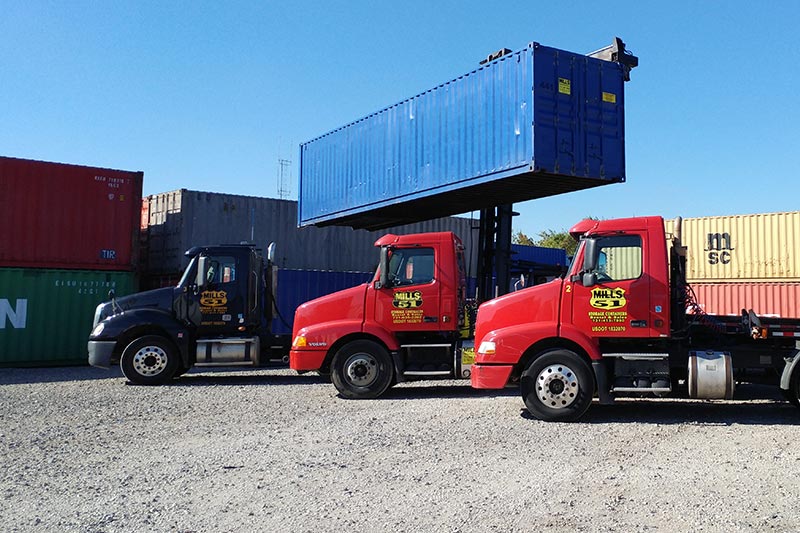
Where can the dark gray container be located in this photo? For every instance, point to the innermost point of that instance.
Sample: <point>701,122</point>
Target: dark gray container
<point>175,221</point>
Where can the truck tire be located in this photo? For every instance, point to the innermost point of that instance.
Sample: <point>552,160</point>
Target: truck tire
<point>362,369</point>
<point>793,394</point>
<point>149,360</point>
<point>557,385</point>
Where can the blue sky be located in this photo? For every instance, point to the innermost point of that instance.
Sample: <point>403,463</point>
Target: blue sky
<point>209,95</point>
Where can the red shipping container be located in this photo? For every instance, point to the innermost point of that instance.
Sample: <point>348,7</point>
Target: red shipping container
<point>54,215</point>
<point>766,299</point>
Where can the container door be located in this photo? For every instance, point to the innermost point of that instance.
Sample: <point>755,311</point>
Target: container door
<point>618,305</point>
<point>412,301</point>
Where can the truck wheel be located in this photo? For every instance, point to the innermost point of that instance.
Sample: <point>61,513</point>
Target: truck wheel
<point>793,394</point>
<point>149,360</point>
<point>557,386</point>
<point>362,369</point>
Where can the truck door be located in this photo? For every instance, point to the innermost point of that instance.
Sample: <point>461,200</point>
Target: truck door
<point>618,304</point>
<point>411,301</point>
<point>223,299</point>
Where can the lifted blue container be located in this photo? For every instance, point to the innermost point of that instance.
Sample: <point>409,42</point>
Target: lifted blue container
<point>530,124</point>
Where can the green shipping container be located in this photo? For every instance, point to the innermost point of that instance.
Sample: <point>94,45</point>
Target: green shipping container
<point>46,315</point>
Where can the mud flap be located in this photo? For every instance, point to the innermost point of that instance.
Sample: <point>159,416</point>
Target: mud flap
<point>601,378</point>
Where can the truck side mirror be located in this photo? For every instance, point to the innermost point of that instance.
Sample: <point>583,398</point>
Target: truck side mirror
<point>590,255</point>
<point>384,268</point>
<point>202,267</point>
<point>589,279</point>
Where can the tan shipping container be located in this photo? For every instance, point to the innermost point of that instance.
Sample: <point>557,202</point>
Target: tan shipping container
<point>761,247</point>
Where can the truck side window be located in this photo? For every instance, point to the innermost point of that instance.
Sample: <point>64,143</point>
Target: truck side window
<point>409,266</point>
<point>620,258</point>
<point>221,269</point>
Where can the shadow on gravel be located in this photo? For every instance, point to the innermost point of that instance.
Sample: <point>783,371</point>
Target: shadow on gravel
<point>17,376</point>
<point>767,408</point>
<point>228,379</point>
<point>426,392</point>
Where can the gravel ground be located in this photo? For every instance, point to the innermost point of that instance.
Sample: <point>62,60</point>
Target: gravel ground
<point>268,450</point>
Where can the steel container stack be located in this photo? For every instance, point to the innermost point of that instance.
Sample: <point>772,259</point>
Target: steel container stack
<point>173,222</point>
<point>744,262</point>
<point>68,234</point>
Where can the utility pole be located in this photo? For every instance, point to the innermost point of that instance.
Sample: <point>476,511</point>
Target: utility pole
<point>284,178</point>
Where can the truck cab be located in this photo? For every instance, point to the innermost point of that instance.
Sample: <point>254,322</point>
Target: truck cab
<point>617,324</point>
<point>407,323</point>
<point>216,315</point>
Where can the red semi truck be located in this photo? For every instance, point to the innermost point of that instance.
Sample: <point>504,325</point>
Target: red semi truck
<point>625,322</point>
<point>409,323</point>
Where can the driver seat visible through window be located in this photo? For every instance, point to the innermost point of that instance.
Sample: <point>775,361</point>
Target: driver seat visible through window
<point>413,266</point>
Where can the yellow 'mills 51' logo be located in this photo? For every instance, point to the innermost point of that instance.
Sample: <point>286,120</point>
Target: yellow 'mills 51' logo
<point>214,298</point>
<point>608,298</point>
<point>407,299</point>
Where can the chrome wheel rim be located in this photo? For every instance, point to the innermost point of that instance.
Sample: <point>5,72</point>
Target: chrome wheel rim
<point>557,386</point>
<point>361,369</point>
<point>150,361</point>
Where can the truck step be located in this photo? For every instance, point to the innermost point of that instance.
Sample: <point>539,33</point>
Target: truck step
<point>639,356</point>
<point>232,363</point>
<point>428,373</point>
<point>426,346</point>
<point>641,389</point>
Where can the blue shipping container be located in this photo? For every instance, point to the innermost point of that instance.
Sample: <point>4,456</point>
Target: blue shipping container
<point>533,123</point>
<point>538,255</point>
<point>296,287</point>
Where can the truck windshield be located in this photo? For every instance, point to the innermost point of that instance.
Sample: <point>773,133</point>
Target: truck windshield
<point>575,266</point>
<point>188,275</point>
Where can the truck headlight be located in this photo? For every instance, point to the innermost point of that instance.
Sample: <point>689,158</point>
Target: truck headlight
<point>98,329</point>
<point>98,314</point>
<point>487,348</point>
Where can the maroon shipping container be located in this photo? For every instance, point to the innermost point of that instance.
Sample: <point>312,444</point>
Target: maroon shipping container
<point>54,215</point>
<point>766,299</point>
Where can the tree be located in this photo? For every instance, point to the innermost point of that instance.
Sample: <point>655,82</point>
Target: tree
<point>550,239</point>
<point>521,238</point>
<point>557,239</point>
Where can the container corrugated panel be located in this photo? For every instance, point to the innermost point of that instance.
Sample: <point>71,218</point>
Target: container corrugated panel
<point>624,262</point>
<point>54,215</point>
<point>759,247</point>
<point>46,315</point>
<point>181,219</point>
<point>295,287</point>
<point>539,254</point>
<point>766,299</point>
<point>534,123</point>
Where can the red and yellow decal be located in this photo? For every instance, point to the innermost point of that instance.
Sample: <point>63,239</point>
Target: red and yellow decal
<point>608,318</point>
<point>407,307</point>
<point>608,298</point>
<point>407,299</point>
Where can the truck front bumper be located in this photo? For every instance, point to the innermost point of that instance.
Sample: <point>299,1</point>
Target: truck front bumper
<point>306,359</point>
<point>490,376</point>
<point>100,353</point>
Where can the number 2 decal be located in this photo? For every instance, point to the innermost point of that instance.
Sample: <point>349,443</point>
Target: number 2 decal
<point>567,288</point>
